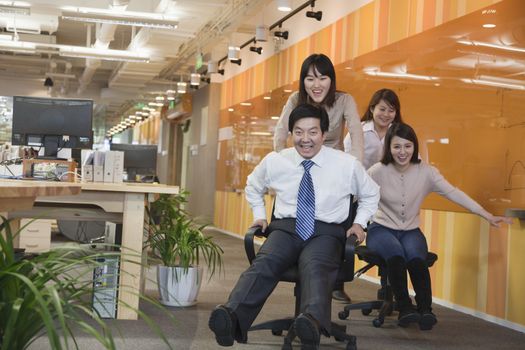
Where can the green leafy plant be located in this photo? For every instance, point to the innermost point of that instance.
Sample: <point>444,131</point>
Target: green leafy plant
<point>175,239</point>
<point>50,294</point>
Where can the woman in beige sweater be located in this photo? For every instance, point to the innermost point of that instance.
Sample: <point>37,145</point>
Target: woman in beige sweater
<point>394,234</point>
<point>317,86</point>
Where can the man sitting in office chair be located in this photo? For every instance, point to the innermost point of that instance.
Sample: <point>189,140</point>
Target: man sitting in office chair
<point>313,185</point>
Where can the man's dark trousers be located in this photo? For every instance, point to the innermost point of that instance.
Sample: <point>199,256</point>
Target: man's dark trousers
<point>318,260</point>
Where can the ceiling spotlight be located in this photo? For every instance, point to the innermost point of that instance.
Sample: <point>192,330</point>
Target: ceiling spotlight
<point>221,71</point>
<point>237,61</point>
<point>284,5</point>
<point>181,87</point>
<point>281,34</point>
<point>259,49</point>
<point>195,79</point>
<point>48,82</point>
<point>261,33</point>
<point>318,15</point>
<point>212,67</point>
<point>233,52</point>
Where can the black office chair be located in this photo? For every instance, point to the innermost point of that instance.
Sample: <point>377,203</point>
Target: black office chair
<point>385,298</point>
<point>346,274</point>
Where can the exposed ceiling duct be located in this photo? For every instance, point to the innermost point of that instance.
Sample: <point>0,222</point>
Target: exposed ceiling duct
<point>105,35</point>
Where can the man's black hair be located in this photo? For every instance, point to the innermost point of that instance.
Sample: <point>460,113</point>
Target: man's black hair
<point>306,110</point>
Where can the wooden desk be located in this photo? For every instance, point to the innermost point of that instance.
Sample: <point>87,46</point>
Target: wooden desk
<point>120,203</point>
<point>20,194</point>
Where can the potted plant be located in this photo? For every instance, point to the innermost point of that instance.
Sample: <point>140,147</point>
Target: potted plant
<point>178,243</point>
<point>49,294</point>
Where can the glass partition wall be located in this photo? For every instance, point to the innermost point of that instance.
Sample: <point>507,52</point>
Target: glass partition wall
<point>463,99</point>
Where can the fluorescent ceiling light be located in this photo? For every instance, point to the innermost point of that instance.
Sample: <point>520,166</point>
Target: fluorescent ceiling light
<point>399,75</point>
<point>493,46</point>
<point>113,16</point>
<point>15,8</point>
<point>260,133</point>
<point>15,3</point>
<point>17,45</point>
<point>75,51</point>
<point>494,83</point>
<point>103,54</point>
<point>60,75</point>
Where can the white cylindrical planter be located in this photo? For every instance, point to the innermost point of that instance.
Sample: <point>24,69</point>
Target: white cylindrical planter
<point>178,287</point>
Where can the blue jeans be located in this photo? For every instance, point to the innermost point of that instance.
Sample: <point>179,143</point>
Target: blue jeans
<point>388,242</point>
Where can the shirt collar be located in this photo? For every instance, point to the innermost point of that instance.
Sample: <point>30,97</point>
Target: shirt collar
<point>318,159</point>
<point>368,126</point>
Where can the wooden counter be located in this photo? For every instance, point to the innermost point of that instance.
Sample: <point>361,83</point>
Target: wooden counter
<point>21,194</point>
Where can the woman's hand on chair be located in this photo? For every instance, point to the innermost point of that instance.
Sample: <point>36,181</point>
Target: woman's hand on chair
<point>262,223</point>
<point>358,231</point>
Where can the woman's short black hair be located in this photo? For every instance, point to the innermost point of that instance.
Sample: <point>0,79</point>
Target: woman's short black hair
<point>324,66</point>
<point>306,110</point>
<point>406,132</point>
<point>390,97</point>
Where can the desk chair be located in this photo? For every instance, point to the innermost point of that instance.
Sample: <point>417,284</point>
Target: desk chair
<point>385,298</point>
<point>346,274</point>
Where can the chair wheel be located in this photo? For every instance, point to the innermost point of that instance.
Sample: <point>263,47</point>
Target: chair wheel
<point>377,322</point>
<point>366,312</point>
<point>352,344</point>
<point>343,315</point>
<point>277,331</point>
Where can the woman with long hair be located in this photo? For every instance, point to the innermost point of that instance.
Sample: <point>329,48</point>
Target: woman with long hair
<point>394,233</point>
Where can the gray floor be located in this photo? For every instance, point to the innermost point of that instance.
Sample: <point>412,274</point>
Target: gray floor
<point>190,331</point>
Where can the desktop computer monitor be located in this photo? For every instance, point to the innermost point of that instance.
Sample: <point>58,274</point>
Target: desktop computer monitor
<point>52,123</point>
<point>138,159</point>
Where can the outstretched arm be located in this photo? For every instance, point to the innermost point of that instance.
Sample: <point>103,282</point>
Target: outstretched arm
<point>495,220</point>
<point>443,187</point>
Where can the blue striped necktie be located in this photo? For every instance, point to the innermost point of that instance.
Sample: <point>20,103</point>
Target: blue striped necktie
<point>305,220</point>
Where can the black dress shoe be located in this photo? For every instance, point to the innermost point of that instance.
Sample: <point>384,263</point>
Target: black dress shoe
<point>408,315</point>
<point>222,322</point>
<point>307,330</point>
<point>341,296</point>
<point>427,320</point>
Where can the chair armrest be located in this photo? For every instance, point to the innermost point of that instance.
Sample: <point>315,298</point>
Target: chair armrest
<point>249,247</point>
<point>349,258</point>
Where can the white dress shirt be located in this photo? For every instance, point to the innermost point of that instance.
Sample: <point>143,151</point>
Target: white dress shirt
<point>336,175</point>
<point>373,144</point>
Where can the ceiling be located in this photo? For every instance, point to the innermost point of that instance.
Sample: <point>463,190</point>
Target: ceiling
<point>114,85</point>
<point>444,55</point>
